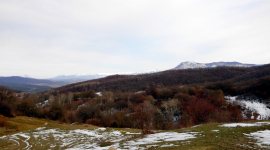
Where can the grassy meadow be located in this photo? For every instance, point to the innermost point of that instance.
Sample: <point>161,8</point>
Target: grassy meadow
<point>31,133</point>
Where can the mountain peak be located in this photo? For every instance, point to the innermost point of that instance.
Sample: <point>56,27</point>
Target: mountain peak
<point>192,65</point>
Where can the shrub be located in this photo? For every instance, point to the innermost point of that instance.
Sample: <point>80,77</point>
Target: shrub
<point>3,123</point>
<point>85,113</point>
<point>94,121</point>
<point>137,98</point>
<point>71,116</point>
<point>220,116</point>
<point>56,112</point>
<point>5,109</point>
<point>115,125</point>
<point>235,113</point>
<point>152,91</point>
<point>27,107</point>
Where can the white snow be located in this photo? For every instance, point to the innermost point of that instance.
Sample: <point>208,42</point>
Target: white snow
<point>87,132</point>
<point>255,107</point>
<point>168,145</point>
<point>139,92</point>
<point>215,130</point>
<point>41,128</point>
<point>26,139</point>
<point>99,93</point>
<point>80,139</point>
<point>196,126</point>
<point>190,64</point>
<point>101,129</point>
<point>43,104</point>
<point>82,105</point>
<point>232,125</point>
<point>262,137</point>
<point>161,137</point>
<point>132,133</point>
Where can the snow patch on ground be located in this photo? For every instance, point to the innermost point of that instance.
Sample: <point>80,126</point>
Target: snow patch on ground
<point>255,107</point>
<point>196,126</point>
<point>99,93</point>
<point>215,130</point>
<point>132,133</point>
<point>161,137</point>
<point>139,92</point>
<point>233,125</point>
<point>262,137</point>
<point>168,145</point>
<point>101,129</point>
<point>41,128</point>
<point>43,104</point>
<point>81,139</point>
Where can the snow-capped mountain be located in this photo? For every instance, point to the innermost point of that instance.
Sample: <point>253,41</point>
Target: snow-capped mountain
<point>79,76</point>
<point>85,77</point>
<point>191,65</point>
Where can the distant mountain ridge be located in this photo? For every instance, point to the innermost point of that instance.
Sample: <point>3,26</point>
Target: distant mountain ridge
<point>77,78</point>
<point>38,85</point>
<point>29,84</point>
<point>240,76</point>
<point>193,65</point>
<point>85,77</point>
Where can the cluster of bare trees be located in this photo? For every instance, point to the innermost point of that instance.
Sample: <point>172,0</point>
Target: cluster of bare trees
<point>154,108</point>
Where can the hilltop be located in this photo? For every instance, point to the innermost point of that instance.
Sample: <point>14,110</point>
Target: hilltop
<point>239,80</point>
<point>192,65</point>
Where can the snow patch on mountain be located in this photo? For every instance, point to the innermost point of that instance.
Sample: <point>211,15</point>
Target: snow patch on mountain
<point>192,65</point>
<point>85,76</point>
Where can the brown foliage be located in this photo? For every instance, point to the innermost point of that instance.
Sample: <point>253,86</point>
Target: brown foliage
<point>137,98</point>
<point>144,114</point>
<point>27,107</point>
<point>56,112</point>
<point>5,109</point>
<point>73,105</point>
<point>235,113</point>
<point>71,116</point>
<point>93,121</point>
<point>3,123</point>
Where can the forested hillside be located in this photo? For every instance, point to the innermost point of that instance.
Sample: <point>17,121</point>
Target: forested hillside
<point>232,80</point>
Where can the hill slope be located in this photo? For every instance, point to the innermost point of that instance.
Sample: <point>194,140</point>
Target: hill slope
<point>192,65</point>
<point>240,76</point>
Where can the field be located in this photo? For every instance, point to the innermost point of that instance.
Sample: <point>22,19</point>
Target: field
<point>31,133</point>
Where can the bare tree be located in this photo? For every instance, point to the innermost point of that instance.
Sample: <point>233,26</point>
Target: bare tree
<point>62,98</point>
<point>171,111</point>
<point>70,97</point>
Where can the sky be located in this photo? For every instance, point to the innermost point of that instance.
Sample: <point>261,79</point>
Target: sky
<point>44,39</point>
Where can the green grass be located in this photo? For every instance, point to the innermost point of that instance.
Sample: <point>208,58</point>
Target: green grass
<point>226,138</point>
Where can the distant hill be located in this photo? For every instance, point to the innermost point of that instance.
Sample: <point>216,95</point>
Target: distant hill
<point>29,84</point>
<point>77,78</point>
<point>84,77</point>
<point>237,79</point>
<point>192,65</point>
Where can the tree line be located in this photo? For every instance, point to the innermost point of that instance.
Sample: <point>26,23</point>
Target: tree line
<point>155,108</point>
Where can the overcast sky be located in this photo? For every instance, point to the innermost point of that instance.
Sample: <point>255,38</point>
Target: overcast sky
<point>43,39</point>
